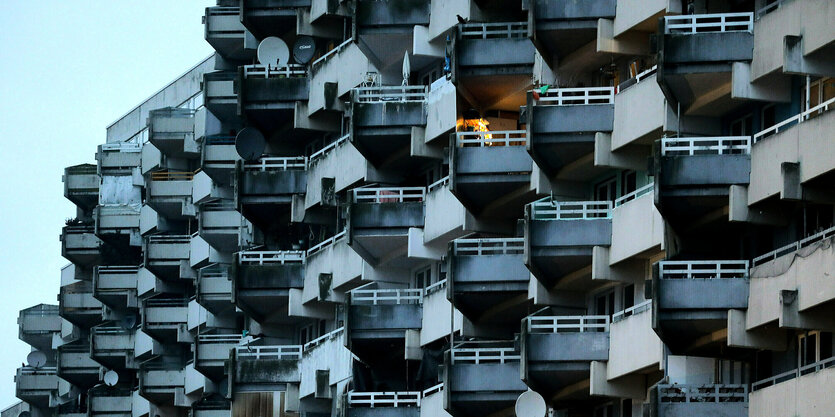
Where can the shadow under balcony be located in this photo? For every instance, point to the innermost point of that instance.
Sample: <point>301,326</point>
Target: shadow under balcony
<point>266,188</point>
<point>267,96</point>
<point>77,305</point>
<point>481,378</point>
<point>116,286</point>
<point>379,219</point>
<point>76,366</point>
<point>263,280</point>
<point>380,318</point>
<point>112,345</point>
<point>81,185</point>
<point>214,289</point>
<point>264,368</point>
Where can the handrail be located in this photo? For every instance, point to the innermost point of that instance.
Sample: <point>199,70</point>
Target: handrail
<point>438,184</point>
<point>581,96</point>
<point>220,140</point>
<point>634,194</point>
<point>378,296</point>
<point>219,338</point>
<point>702,269</point>
<point>319,340</point>
<point>270,257</point>
<point>631,311</point>
<point>279,352</point>
<point>493,30</point>
<point>121,147</point>
<point>547,209</point>
<point>769,8</point>
<point>321,245</point>
<point>479,355</point>
<point>87,169</point>
<point>391,93</point>
<point>331,53</point>
<point>166,302</point>
<point>703,23</point>
<point>794,247</point>
<point>218,205</point>
<point>321,152</point>
<point>384,399</point>
<point>638,78</point>
<point>795,373</point>
<point>433,390</point>
<point>277,163</point>
<point>44,370</point>
<point>173,175</point>
<point>41,310</point>
<point>270,71</point>
<point>568,324</point>
<point>492,138</point>
<point>169,239</point>
<point>435,287</point>
<point>708,393</point>
<point>489,246</point>
<point>377,195</point>
<point>691,146</point>
<point>800,118</point>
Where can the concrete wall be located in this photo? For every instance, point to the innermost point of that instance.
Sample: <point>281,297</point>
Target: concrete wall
<point>640,110</point>
<point>329,355</point>
<point>708,47</point>
<point>384,215</point>
<point>490,268</point>
<point>444,214</point>
<point>567,347</point>
<point>637,226</point>
<point>493,159</point>
<point>633,12</point>
<point>347,68</point>
<point>573,9</point>
<point>392,12</point>
<point>706,170</point>
<point>633,346</point>
<point>591,232</point>
<point>441,107</point>
<point>572,119</point>
<point>479,52</point>
<point>807,396</point>
<point>436,318</point>
<point>337,259</point>
<point>430,406</point>
<point>714,293</point>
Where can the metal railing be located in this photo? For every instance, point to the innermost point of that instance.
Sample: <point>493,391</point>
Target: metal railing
<point>489,246</point>
<point>377,195</point>
<point>219,339</point>
<point>271,257</point>
<point>634,194</point>
<point>638,78</point>
<point>173,175</point>
<point>329,241</point>
<point>277,163</point>
<point>169,239</point>
<point>122,147</point>
<point>44,370</point>
<point>702,269</point>
<point>577,96</point>
<point>435,287</point>
<point>42,310</point>
<point>547,209</point>
<point>384,399</point>
<point>433,390</point>
<point>493,30</point>
<point>267,71</point>
<point>438,184</point>
<point>331,53</point>
<point>321,339</point>
<point>391,93</point>
<point>279,352</point>
<point>725,145</point>
<point>794,373</point>
<point>791,121</point>
<point>568,324</point>
<point>82,170</point>
<point>704,23</point>
<point>378,296</point>
<point>219,205</point>
<point>631,311</point>
<point>709,393</point>
<point>492,138</point>
<point>220,140</point>
<point>484,352</point>
<point>166,302</point>
<point>769,8</point>
<point>327,148</point>
<point>794,247</point>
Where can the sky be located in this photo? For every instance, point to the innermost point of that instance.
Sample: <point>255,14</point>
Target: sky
<point>68,69</point>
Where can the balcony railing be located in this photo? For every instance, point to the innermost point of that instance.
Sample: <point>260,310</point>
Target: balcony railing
<point>576,96</point>
<point>435,287</point>
<point>377,296</point>
<point>277,164</point>
<point>438,184</point>
<point>169,239</point>
<point>791,121</point>
<point>547,209</point>
<point>44,370</point>
<point>493,30</point>
<point>266,71</point>
<point>702,269</point>
<point>433,390</point>
<point>484,352</point>
<point>704,23</point>
<point>770,8</point>
<point>173,175</point>
<point>710,393</point>
<point>642,76</point>
<point>634,194</point>
<point>315,156</point>
<point>491,246</point>
<point>330,241</point>
<point>331,53</point>
<point>492,138</point>
<point>391,93</point>
<point>321,339</point>
<point>795,373</point>
<point>283,352</point>
<point>42,310</point>
<point>219,339</point>
<point>568,324</point>
<point>271,257</point>
<point>377,195</point>
<point>637,308</point>
<point>219,205</point>
<point>384,399</point>
<point>122,147</point>
<point>794,247</point>
<point>220,140</point>
<point>726,145</point>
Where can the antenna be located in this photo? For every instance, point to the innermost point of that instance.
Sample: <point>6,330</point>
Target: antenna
<point>250,143</point>
<point>304,49</point>
<point>36,359</point>
<point>111,378</point>
<point>530,404</point>
<point>273,52</point>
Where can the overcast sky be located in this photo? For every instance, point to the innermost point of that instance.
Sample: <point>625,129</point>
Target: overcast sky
<point>67,70</point>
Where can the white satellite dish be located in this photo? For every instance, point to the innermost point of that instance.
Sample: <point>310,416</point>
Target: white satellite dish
<point>111,378</point>
<point>273,52</point>
<point>530,404</point>
<point>36,359</point>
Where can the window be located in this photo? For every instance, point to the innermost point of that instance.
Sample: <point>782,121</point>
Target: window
<point>606,190</point>
<point>820,91</point>
<point>423,278</point>
<point>626,408</point>
<point>604,304</point>
<point>769,117</point>
<point>743,126</point>
<point>607,410</point>
<point>629,181</point>
<point>628,296</point>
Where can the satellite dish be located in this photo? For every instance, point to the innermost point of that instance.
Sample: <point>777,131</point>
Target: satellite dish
<point>530,404</point>
<point>111,378</point>
<point>36,359</point>
<point>407,68</point>
<point>273,52</point>
<point>304,49</point>
<point>250,143</point>
<point>129,322</point>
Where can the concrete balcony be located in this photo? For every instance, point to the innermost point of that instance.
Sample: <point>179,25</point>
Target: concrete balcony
<point>166,319</point>
<point>211,353</point>
<point>37,386</point>
<point>637,226</point>
<point>325,363</point>
<point>214,289</point>
<point>227,35</point>
<point>486,166</point>
<point>267,96</point>
<point>37,324</point>
<point>106,401</point>
<point>77,305</point>
<point>268,186</point>
<point>383,118</point>
<point>116,286</point>
<point>172,131</point>
<point>679,317</point>
<point>80,245</point>
<point>634,347</point>
<point>557,351</point>
<point>168,256</point>
<point>220,158</point>
<point>384,404</point>
<point>386,28</point>
<point>263,281</point>
<point>332,268</point>
<point>76,366</point>
<point>112,346</point>
<point>212,406</point>
<point>560,237</point>
<point>119,158</point>
<point>799,392</point>
<point>220,95</point>
<point>264,368</point>
<point>466,390</point>
<point>488,273</point>
<point>564,26</point>
<point>162,384</point>
<point>379,220</point>
<point>562,123</point>
<point>223,227</point>
<point>701,400</point>
<point>117,222</point>
<point>169,193</point>
<point>81,185</point>
<point>265,17</point>
<point>379,319</point>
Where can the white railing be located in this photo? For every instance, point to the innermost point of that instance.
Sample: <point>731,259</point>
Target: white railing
<point>378,195</point>
<point>493,30</point>
<point>794,373</point>
<point>321,152</point>
<point>479,355</point>
<point>283,352</point>
<point>492,138</point>
<point>433,390</point>
<point>791,121</point>
<point>568,324</point>
<point>122,147</point>
<point>769,8</point>
<point>387,296</point>
<point>706,146</point>
<point>271,257</point>
<point>638,78</point>
<point>219,205</point>
<point>321,339</point>
<point>391,93</point>
<point>274,163</point>
<point>229,339</point>
<point>44,370</point>
<point>435,287</point>
<point>169,239</point>
<point>637,308</point>
<point>265,71</point>
<point>577,96</point>
<point>794,247</point>
<point>634,194</point>
<point>709,393</point>
<point>331,53</point>
<point>384,399</point>
<point>547,209</point>
<point>438,184</point>
<point>329,241</point>
<point>113,270</point>
<point>489,246</point>
<point>703,23</point>
<point>702,269</point>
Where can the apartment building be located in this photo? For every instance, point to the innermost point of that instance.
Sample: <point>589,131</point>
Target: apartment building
<point>429,208</point>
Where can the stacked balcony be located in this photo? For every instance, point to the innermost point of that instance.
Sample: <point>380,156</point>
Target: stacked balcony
<point>564,26</point>
<point>116,286</point>
<point>172,131</point>
<point>214,289</point>
<point>170,193</point>
<point>37,386</point>
<point>165,319</point>
<point>104,401</point>
<point>161,383</point>
<point>267,95</point>
<point>219,158</point>
<point>379,318</point>
<point>112,345</point>
<point>81,185</point>
<point>76,366</point>
<point>211,353</point>
<point>220,95</point>
<point>224,228</point>
<point>266,17</point>
<point>168,256</point>
<point>481,378</point>
<point>264,367</point>
<point>263,281</point>
<point>380,219</point>
<point>227,35</point>
<point>393,404</point>
<point>560,237</point>
<point>266,187</point>
<point>78,306</point>
<point>37,324</point>
<point>386,28</point>
<point>80,245</point>
<point>119,158</point>
<point>114,222</point>
<point>701,400</point>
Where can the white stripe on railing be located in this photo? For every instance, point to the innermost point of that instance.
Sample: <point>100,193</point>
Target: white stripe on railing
<point>491,246</point>
<point>269,257</point>
<point>568,324</point>
<point>319,340</point>
<point>485,355</point>
<point>634,194</point>
<point>387,296</point>
<point>705,145</point>
<point>703,23</point>
<point>391,93</point>
<point>577,96</point>
<point>435,287</point>
<point>709,393</point>
<point>378,195</point>
<point>702,269</point>
<point>794,247</point>
<point>433,390</point>
<point>277,164</point>
<point>321,152</point>
<point>321,245</point>
<point>331,53</point>
<point>169,239</point>
<point>384,399</point>
<point>282,352</point>
<point>794,373</point>
<point>492,138</point>
<point>547,209</point>
<point>800,118</point>
<point>637,308</point>
<point>438,184</point>
<point>493,30</point>
<point>264,71</point>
